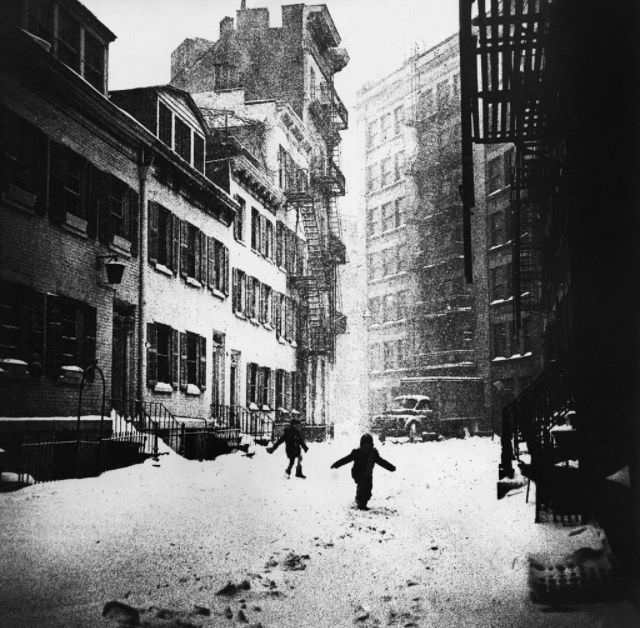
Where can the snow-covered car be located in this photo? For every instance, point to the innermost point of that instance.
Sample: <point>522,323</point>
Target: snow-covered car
<point>409,415</point>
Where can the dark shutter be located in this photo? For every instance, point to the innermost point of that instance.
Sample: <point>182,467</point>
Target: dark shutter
<point>36,335</point>
<point>225,274</point>
<point>134,224</point>
<point>175,358</point>
<point>93,198</point>
<point>202,254</point>
<point>53,339</point>
<point>260,396</point>
<point>248,384</point>
<point>106,184</point>
<point>174,245</point>
<point>184,370</point>
<point>235,287</point>
<point>152,355</point>
<point>57,211</point>
<point>154,236</point>
<point>211,264</point>
<point>184,246</point>
<point>202,362</point>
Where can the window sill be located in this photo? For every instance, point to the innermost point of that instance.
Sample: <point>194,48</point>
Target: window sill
<point>70,375</point>
<point>498,191</point>
<point>239,241</point>
<point>240,315</point>
<point>281,340</point>
<point>194,283</point>
<point>384,188</point>
<point>75,224</point>
<point>293,343</point>
<point>164,270</point>
<point>163,387</point>
<point>192,390</point>
<point>268,326</point>
<point>255,322</point>
<point>20,199</point>
<point>121,245</point>
<point>497,247</point>
<point>220,295</point>
<point>13,369</point>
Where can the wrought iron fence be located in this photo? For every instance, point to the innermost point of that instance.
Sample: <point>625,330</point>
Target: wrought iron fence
<point>255,423</point>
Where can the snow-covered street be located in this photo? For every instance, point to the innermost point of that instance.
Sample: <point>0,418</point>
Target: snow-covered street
<point>435,549</point>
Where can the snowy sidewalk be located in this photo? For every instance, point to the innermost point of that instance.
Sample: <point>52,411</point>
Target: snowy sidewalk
<point>436,548</point>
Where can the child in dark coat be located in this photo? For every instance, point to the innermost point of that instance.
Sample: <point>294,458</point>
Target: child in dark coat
<point>364,459</point>
<point>294,442</point>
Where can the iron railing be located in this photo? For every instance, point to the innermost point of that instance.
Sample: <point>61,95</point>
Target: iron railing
<point>255,423</point>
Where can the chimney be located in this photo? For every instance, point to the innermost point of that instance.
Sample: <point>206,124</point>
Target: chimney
<point>243,5</point>
<point>252,19</point>
<point>226,25</point>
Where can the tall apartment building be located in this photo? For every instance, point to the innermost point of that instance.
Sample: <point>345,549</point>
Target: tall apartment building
<point>430,331</point>
<point>294,64</point>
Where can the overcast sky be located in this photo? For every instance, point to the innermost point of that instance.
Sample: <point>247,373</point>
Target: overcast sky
<point>378,34</point>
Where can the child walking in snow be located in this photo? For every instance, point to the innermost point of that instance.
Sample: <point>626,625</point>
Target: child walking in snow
<point>294,441</point>
<point>364,459</point>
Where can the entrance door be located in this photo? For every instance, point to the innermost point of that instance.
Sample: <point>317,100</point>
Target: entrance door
<point>233,387</point>
<point>122,353</point>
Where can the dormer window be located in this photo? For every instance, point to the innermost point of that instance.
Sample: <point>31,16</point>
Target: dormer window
<point>179,136</point>
<point>80,42</point>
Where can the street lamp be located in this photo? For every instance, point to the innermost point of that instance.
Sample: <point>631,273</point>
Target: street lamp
<point>113,267</point>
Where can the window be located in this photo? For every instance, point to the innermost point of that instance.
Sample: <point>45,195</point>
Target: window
<point>527,334</point>
<point>193,252</point>
<point>400,356</point>
<point>312,83</point>
<point>164,237</point>
<point>401,304</point>
<point>252,384</point>
<point>68,41</point>
<point>165,124</point>
<point>399,165</point>
<point>373,177</point>
<point>281,389</point>
<point>426,104</point>
<point>501,282</point>
<point>238,221</point>
<point>68,182</point>
<point>508,165</point>
<point>388,348</point>
<point>268,239</point>
<point>193,361</point>
<point>385,126</point>
<point>183,140</point>
<point>398,119</point>
<point>218,266</point>
<point>388,217</point>
<point>217,368</point>
<point>456,85</point>
<point>198,152</point>
<point>94,65</point>
<point>118,209</point>
<point>280,244</point>
<point>374,310</point>
<point>266,313</point>
<point>385,172</point>
<point>372,134</point>
<point>239,291</point>
<point>495,174</point>
<point>399,207</point>
<point>499,340</point>
<point>70,334</point>
<point>256,244</point>
<point>389,308</point>
<point>278,300</point>
<point>373,218</point>
<point>22,325</point>
<point>500,227</point>
<point>23,161</point>
<point>442,93</point>
<point>39,19</point>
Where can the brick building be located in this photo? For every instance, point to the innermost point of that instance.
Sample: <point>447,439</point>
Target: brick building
<point>430,331</point>
<point>292,64</point>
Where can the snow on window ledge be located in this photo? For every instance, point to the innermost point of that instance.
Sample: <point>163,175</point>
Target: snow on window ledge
<point>217,293</point>
<point>163,387</point>
<point>193,390</point>
<point>10,367</point>
<point>193,282</point>
<point>161,268</point>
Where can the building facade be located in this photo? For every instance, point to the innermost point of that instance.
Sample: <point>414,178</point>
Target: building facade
<point>430,330</point>
<point>294,64</point>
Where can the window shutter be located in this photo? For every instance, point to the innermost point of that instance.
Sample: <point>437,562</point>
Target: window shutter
<point>202,363</point>
<point>134,211</point>
<point>154,236</point>
<point>88,338</point>
<point>272,389</point>
<point>175,359</point>
<point>56,184</point>
<point>263,235</point>
<point>184,246</point>
<point>174,246</point>
<point>53,325</point>
<point>152,355</point>
<point>234,290</point>
<point>204,274</point>
<point>248,386</point>
<point>259,396</point>
<point>184,371</point>
<point>225,274</point>
<point>36,336</point>
<point>93,184</point>
<point>211,264</point>
<point>106,184</point>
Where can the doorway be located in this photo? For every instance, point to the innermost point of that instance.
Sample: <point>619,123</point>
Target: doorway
<point>122,356</point>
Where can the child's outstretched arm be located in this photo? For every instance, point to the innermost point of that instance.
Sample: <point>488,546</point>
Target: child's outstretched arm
<point>342,461</point>
<point>385,463</point>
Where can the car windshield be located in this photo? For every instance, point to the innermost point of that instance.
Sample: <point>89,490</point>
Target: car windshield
<point>404,403</point>
<point>423,404</point>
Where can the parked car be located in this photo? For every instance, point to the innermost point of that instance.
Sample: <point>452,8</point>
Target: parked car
<point>409,415</point>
